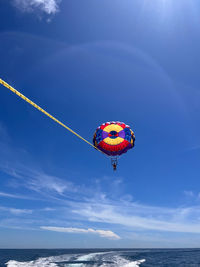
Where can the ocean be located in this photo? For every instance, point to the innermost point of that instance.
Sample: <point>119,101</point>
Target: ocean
<point>99,257</point>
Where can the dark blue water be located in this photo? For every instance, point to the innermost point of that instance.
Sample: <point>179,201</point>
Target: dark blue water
<point>99,257</point>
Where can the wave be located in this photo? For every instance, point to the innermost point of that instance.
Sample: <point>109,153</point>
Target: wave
<point>134,263</point>
<point>100,259</point>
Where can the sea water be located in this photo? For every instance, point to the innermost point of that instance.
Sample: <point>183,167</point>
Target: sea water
<point>99,257</point>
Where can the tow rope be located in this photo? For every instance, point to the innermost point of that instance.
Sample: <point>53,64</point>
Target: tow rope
<point>5,84</point>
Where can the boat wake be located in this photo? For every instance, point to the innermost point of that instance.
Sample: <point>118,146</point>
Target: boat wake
<point>100,259</point>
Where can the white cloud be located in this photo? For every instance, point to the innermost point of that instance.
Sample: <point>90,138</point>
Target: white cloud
<point>39,181</point>
<point>47,6</point>
<point>138,217</point>
<point>19,211</point>
<point>8,195</point>
<point>15,211</point>
<point>189,193</point>
<point>4,136</point>
<point>98,206</point>
<point>108,234</point>
<point>48,209</point>
<point>103,233</point>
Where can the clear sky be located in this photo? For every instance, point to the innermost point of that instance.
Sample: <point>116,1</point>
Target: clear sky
<point>87,62</point>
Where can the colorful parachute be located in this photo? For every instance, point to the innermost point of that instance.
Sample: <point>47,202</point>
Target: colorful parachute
<point>114,139</point>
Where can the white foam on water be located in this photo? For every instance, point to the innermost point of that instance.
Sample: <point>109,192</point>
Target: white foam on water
<point>51,261</point>
<point>87,257</point>
<point>119,261</point>
<point>134,263</point>
<point>108,259</point>
<point>37,263</point>
<point>40,262</point>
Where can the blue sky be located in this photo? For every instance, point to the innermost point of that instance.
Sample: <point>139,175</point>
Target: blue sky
<point>87,62</point>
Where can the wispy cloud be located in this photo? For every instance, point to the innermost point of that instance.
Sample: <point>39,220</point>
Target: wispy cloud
<point>4,136</point>
<point>19,211</point>
<point>98,206</point>
<point>8,195</point>
<point>137,217</point>
<point>47,6</point>
<point>38,180</point>
<point>189,193</point>
<point>15,211</point>
<point>103,233</point>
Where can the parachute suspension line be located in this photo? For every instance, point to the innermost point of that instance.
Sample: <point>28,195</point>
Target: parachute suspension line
<point>46,113</point>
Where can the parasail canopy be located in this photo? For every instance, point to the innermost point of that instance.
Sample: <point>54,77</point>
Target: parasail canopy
<point>114,138</point>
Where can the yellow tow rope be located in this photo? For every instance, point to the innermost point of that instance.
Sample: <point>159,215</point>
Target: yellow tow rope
<point>46,113</point>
